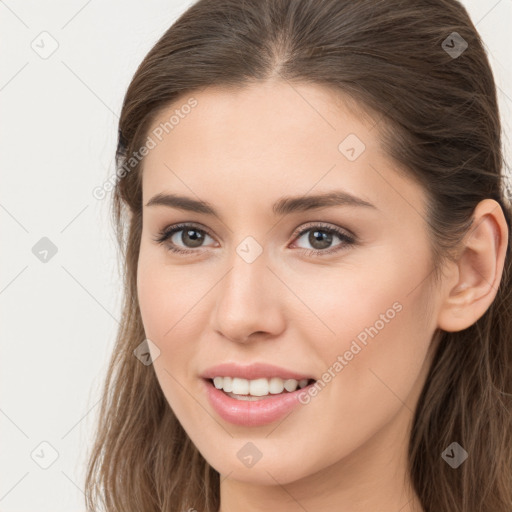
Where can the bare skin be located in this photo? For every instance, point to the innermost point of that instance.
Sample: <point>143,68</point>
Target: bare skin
<point>241,151</point>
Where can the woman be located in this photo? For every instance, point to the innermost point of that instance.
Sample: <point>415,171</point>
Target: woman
<point>314,222</point>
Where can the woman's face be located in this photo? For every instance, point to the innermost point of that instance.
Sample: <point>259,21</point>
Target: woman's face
<point>332,290</point>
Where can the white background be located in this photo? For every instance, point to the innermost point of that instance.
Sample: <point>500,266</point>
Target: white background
<point>58,131</point>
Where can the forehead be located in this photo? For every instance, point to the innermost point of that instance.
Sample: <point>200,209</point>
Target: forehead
<point>241,117</point>
<point>267,139</point>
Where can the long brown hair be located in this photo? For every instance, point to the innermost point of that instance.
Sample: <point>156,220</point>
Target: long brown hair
<point>437,116</point>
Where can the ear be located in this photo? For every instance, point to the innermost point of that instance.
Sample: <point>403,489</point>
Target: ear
<point>478,270</point>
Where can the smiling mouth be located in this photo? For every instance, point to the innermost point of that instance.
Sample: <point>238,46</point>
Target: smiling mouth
<point>257,402</point>
<point>258,389</point>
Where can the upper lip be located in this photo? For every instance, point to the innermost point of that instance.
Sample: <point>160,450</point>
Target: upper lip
<point>252,371</point>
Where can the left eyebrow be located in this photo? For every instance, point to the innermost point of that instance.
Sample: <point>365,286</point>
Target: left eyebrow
<point>283,206</point>
<point>287,205</point>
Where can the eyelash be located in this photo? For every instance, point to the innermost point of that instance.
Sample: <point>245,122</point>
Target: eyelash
<point>347,240</point>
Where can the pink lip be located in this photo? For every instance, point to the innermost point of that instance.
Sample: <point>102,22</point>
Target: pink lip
<point>252,413</point>
<point>252,371</point>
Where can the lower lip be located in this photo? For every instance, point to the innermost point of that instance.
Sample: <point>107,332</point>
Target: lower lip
<point>252,413</point>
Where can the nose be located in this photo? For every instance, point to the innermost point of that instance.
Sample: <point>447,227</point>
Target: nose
<point>247,302</point>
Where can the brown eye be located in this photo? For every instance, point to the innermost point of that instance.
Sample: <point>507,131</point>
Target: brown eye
<point>321,239</point>
<point>184,235</point>
<point>191,237</point>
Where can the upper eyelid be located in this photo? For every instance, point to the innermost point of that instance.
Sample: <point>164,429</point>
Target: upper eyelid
<point>324,225</point>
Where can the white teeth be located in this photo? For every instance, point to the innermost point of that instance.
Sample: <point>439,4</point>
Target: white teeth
<point>257,387</point>
<point>240,386</point>
<point>276,385</point>
<point>228,384</point>
<point>218,382</point>
<point>290,384</point>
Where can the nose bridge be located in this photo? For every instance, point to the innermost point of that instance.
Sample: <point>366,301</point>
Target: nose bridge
<point>244,300</point>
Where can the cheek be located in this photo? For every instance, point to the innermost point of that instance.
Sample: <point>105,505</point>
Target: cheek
<point>373,315</point>
<point>170,322</point>
<point>166,294</point>
<point>173,303</point>
<point>376,358</point>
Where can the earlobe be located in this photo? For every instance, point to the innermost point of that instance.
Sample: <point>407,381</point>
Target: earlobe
<point>479,269</point>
